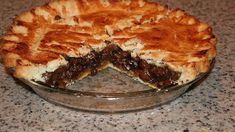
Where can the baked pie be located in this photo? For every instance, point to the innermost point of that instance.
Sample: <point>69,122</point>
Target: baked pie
<point>67,40</point>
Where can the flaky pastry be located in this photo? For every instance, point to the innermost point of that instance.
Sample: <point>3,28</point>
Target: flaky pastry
<point>66,40</point>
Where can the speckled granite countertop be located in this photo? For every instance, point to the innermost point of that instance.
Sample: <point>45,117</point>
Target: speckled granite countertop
<point>209,107</point>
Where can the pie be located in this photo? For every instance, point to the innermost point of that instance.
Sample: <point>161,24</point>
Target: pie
<point>67,40</point>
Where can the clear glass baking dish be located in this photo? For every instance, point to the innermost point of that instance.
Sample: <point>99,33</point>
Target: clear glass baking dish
<point>110,91</point>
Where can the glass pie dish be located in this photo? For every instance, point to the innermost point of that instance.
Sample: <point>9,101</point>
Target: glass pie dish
<point>110,91</point>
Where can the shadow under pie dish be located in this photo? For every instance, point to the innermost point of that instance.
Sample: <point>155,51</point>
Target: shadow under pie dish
<point>68,40</point>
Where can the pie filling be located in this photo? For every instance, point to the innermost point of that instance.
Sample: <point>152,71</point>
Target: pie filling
<point>155,75</point>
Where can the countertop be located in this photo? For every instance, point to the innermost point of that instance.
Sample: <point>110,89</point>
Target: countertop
<point>208,107</point>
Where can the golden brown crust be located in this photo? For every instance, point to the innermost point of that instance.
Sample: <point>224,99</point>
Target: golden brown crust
<point>75,27</point>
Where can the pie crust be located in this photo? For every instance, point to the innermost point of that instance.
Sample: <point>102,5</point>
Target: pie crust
<point>40,40</point>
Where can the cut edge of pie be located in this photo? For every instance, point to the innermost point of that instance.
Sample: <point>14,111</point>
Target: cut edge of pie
<point>53,37</point>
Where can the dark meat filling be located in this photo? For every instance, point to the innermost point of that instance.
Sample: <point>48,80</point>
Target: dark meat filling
<point>75,67</point>
<point>158,76</point>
